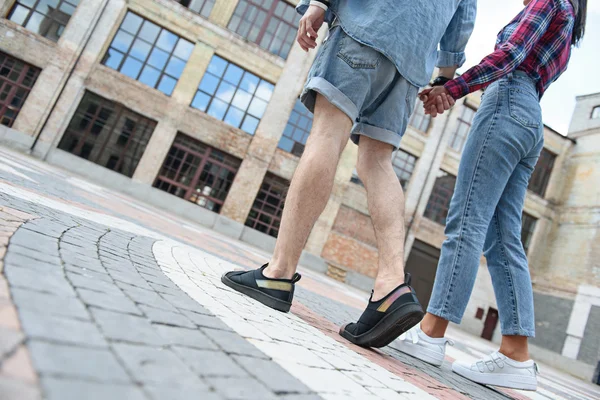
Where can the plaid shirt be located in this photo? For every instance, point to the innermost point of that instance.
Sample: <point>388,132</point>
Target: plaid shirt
<point>537,41</point>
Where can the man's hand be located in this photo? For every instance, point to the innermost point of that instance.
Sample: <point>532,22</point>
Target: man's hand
<point>309,25</point>
<point>436,100</point>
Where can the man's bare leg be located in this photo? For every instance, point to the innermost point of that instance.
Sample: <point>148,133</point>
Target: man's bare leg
<point>310,188</point>
<point>386,206</point>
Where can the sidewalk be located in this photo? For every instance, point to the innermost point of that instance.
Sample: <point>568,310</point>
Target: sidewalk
<point>103,297</point>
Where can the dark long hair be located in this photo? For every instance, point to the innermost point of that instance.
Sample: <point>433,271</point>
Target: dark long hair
<point>579,28</point>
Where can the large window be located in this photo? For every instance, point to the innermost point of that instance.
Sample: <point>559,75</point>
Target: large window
<point>404,165</point>
<point>596,112</point>
<point>148,53</point>
<point>541,174</point>
<point>202,7</point>
<point>527,229</point>
<point>47,18</point>
<point>419,120</point>
<point>266,211</point>
<point>269,23</point>
<point>197,172</point>
<point>297,130</point>
<point>16,81</point>
<point>108,134</point>
<point>439,201</point>
<point>232,94</point>
<point>459,138</point>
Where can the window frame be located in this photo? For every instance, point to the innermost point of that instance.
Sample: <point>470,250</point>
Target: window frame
<point>238,87</point>
<point>445,206</point>
<point>118,110</point>
<point>270,15</point>
<point>200,12</point>
<point>538,182</point>
<point>412,160</point>
<point>153,46</point>
<point>462,121</point>
<point>528,227</point>
<point>190,189</point>
<point>595,110</point>
<point>33,9</point>
<point>252,221</point>
<point>418,112</point>
<point>5,104</point>
<point>305,113</point>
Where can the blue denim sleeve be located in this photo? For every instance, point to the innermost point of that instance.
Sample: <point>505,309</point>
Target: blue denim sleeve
<point>456,37</point>
<point>303,6</point>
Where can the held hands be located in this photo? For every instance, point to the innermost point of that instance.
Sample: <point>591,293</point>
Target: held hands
<point>436,100</point>
<point>309,25</point>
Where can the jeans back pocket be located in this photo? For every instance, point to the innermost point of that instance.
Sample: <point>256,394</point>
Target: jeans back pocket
<point>358,55</point>
<point>524,107</point>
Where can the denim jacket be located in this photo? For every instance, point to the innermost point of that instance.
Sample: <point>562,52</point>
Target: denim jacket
<point>408,31</point>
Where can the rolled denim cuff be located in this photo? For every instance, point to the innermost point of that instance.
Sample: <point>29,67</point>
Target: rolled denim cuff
<point>449,59</point>
<point>304,4</point>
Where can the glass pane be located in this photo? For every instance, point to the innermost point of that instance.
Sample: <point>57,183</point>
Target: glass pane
<point>167,84</point>
<point>46,6</point>
<point>175,67</point>
<point>131,23</point>
<point>167,41</point>
<point>158,58</point>
<point>200,101</point>
<point>264,91</point>
<point>149,31</point>
<point>35,23</point>
<point>122,41</point>
<point>257,107</point>
<point>249,83</point>
<point>113,59</point>
<point>27,3</point>
<point>217,109</point>
<point>183,49</point>
<point>217,66</point>
<point>209,83</point>
<point>286,144</point>
<point>234,117</point>
<point>19,14</point>
<point>131,67</point>
<point>149,76</point>
<point>67,9</point>
<point>140,50</point>
<point>233,74</point>
<point>250,124</point>
<point>225,92</point>
<point>241,99</point>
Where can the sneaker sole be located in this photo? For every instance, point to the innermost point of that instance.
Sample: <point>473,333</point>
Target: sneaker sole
<point>502,380</point>
<point>259,296</point>
<point>389,328</point>
<point>420,353</point>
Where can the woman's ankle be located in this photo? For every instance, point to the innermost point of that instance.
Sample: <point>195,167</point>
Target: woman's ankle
<point>434,326</point>
<point>515,347</point>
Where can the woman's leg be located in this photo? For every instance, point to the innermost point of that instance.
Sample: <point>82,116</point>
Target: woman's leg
<point>496,145</point>
<point>507,263</point>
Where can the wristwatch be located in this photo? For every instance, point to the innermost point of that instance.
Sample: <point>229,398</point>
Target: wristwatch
<point>440,81</point>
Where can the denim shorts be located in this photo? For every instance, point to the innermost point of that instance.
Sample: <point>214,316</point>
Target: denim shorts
<point>363,84</point>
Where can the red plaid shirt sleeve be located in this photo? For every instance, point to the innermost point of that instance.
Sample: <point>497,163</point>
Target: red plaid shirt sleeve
<point>507,57</point>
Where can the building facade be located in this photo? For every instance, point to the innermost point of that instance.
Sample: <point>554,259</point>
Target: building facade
<point>193,106</point>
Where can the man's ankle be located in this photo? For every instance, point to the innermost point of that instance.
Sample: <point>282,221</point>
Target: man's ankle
<point>383,286</point>
<point>275,272</point>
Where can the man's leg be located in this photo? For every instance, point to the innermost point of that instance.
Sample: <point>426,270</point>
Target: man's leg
<point>311,186</point>
<point>386,206</point>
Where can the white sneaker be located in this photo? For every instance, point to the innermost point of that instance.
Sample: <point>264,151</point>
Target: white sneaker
<point>416,343</point>
<point>499,370</point>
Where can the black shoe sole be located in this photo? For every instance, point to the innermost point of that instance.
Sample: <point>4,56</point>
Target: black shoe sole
<point>257,295</point>
<point>389,328</point>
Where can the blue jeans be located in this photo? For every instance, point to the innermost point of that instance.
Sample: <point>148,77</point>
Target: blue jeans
<point>502,149</point>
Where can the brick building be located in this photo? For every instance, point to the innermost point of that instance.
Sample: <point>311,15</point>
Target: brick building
<point>193,106</point>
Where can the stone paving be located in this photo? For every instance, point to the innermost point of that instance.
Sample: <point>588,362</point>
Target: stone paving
<point>104,298</point>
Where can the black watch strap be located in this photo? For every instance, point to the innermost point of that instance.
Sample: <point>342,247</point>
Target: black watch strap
<point>440,81</point>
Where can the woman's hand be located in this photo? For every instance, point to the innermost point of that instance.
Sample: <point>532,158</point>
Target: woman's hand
<point>436,100</point>
<point>309,25</point>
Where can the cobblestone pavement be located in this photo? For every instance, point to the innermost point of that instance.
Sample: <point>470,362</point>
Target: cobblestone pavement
<point>103,297</point>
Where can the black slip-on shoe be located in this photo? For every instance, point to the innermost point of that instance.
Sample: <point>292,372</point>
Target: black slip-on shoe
<point>386,319</point>
<point>274,293</point>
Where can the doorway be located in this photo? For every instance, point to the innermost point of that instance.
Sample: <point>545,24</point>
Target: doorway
<point>422,265</point>
<point>489,326</point>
